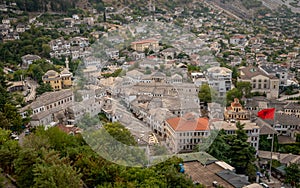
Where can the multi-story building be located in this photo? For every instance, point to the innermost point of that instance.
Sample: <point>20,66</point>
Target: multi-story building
<point>260,81</point>
<point>278,71</point>
<point>186,132</point>
<point>60,107</point>
<point>75,47</point>
<point>142,45</point>
<point>219,78</point>
<point>292,109</point>
<point>49,108</point>
<point>58,81</point>
<point>236,111</point>
<point>251,128</point>
<point>285,124</point>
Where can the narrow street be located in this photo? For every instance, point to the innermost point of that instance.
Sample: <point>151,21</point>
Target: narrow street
<point>33,85</point>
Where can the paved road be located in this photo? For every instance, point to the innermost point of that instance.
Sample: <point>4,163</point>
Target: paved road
<point>33,84</point>
<point>285,97</point>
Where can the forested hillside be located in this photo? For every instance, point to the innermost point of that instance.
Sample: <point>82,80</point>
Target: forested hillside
<point>42,5</point>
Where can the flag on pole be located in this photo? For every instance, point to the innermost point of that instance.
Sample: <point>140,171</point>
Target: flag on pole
<point>266,113</point>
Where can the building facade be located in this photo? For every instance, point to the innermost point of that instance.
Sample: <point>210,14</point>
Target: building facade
<point>236,111</point>
<point>186,132</point>
<point>219,78</point>
<point>251,128</point>
<point>142,45</point>
<point>58,81</point>
<point>260,81</point>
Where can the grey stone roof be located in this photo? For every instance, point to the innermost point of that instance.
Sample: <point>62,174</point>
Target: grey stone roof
<point>252,71</point>
<point>284,119</point>
<point>292,105</point>
<point>265,128</point>
<point>158,75</point>
<point>273,69</point>
<point>50,97</point>
<point>234,179</point>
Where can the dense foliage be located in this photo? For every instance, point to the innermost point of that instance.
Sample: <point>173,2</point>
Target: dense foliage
<point>293,175</point>
<point>41,5</point>
<point>235,150</point>
<point>70,162</point>
<point>34,41</point>
<point>9,117</point>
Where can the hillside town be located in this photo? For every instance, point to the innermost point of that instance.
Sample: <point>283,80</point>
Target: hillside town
<point>179,80</point>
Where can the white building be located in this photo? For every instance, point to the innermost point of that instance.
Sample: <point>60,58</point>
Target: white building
<point>184,133</point>
<point>219,78</point>
<point>49,108</point>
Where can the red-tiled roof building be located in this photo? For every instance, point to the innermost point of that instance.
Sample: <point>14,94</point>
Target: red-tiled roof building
<point>184,133</point>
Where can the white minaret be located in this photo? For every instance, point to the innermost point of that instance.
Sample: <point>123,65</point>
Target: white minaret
<point>67,63</point>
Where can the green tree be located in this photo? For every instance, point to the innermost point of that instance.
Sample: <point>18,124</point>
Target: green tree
<point>43,88</point>
<point>9,150</point>
<point>36,72</point>
<point>219,148</point>
<point>245,87</point>
<point>232,94</point>
<point>265,143</point>
<point>206,94</point>
<point>10,118</point>
<point>4,94</point>
<point>293,175</point>
<point>24,166</point>
<point>120,133</point>
<point>241,152</point>
<point>53,171</point>
<point>46,50</point>
<point>235,73</point>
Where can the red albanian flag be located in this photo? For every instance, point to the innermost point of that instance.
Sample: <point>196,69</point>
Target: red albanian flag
<point>266,113</point>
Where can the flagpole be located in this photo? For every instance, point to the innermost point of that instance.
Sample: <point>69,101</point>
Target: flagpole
<point>272,145</point>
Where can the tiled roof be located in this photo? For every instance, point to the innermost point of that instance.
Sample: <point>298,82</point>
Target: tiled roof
<point>50,97</point>
<point>265,128</point>
<point>284,119</point>
<point>284,158</point>
<point>205,175</point>
<point>252,71</point>
<point>189,122</point>
<point>273,68</point>
<point>145,41</point>
<point>236,103</point>
<point>234,179</point>
<point>292,105</point>
<point>220,70</point>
